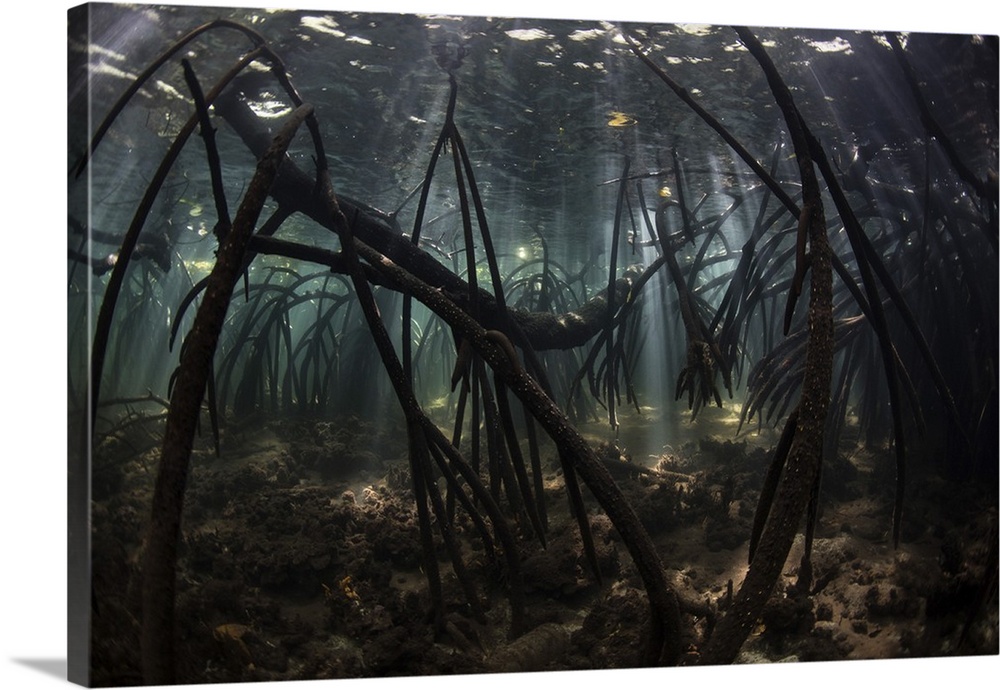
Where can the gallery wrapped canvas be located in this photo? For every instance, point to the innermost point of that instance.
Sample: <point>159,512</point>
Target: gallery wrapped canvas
<point>422,344</point>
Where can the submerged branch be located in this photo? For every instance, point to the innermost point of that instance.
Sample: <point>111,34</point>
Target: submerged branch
<point>160,561</point>
<point>802,464</point>
<point>663,640</point>
<point>293,190</point>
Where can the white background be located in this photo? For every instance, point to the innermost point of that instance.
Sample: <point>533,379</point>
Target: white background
<point>33,339</point>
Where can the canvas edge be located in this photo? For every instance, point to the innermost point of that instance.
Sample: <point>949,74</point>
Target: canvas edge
<point>78,614</point>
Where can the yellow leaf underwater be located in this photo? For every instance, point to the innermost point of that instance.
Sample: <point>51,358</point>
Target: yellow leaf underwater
<point>619,119</point>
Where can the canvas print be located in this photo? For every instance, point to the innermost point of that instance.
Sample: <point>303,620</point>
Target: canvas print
<point>413,345</point>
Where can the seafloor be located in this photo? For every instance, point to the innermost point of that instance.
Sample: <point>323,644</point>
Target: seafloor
<point>301,560</point>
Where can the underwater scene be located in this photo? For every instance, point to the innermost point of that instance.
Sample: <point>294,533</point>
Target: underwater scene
<point>418,345</point>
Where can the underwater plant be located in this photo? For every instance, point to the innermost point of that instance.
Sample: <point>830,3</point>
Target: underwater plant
<point>522,334</point>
